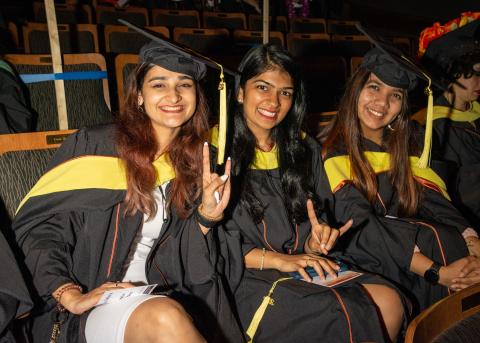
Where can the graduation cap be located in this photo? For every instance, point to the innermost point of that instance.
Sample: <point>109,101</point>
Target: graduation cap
<point>441,44</point>
<point>179,58</point>
<point>397,69</point>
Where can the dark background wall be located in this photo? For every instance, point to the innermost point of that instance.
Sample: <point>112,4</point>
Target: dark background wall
<point>406,16</point>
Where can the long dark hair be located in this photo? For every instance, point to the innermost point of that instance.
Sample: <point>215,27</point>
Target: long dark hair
<point>137,147</point>
<point>345,131</point>
<point>294,155</point>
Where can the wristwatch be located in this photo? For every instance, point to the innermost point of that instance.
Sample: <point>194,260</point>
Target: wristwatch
<point>432,274</point>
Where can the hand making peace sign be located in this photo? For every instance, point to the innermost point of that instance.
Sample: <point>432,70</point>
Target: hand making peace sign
<point>216,189</point>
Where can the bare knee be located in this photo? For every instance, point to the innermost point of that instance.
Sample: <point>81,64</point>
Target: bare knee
<point>384,296</point>
<point>160,320</point>
<point>390,307</point>
<point>165,313</point>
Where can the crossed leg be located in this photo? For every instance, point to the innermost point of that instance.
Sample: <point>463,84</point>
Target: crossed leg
<point>161,319</point>
<point>390,307</point>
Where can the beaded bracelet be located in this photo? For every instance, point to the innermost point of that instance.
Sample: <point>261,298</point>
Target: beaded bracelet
<point>65,288</point>
<point>206,220</point>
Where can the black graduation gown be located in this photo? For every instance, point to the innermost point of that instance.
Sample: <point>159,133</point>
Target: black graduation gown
<point>14,297</point>
<point>72,228</point>
<point>381,242</point>
<point>15,115</point>
<point>456,142</point>
<point>302,312</point>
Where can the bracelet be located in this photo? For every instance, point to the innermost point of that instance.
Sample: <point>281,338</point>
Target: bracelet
<point>263,258</point>
<point>206,220</point>
<point>65,288</point>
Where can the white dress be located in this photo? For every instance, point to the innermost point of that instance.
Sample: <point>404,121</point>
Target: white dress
<point>107,323</point>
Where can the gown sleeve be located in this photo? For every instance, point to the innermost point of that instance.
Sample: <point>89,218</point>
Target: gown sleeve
<point>48,237</point>
<point>435,207</point>
<point>48,244</point>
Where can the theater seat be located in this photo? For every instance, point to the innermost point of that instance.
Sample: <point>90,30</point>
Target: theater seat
<point>457,315</point>
<point>176,18</point>
<point>120,39</point>
<point>316,122</point>
<point>124,64</point>
<point>88,101</point>
<point>74,38</point>
<point>324,78</point>
<point>65,13</point>
<point>23,159</point>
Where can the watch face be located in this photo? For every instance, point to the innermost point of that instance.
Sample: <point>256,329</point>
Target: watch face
<point>431,275</point>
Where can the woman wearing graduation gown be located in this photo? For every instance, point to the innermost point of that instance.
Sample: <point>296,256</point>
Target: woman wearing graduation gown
<point>452,52</point>
<point>276,170</point>
<point>116,209</point>
<point>405,227</point>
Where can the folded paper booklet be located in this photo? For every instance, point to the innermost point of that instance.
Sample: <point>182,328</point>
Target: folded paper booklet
<point>343,275</point>
<point>119,294</point>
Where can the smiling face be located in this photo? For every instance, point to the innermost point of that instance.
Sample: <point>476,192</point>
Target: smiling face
<point>169,100</point>
<point>378,105</point>
<point>471,92</point>
<point>266,98</point>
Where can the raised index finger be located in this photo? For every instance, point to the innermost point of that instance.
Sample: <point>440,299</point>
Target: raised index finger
<point>206,165</point>
<point>311,213</point>
<point>346,227</point>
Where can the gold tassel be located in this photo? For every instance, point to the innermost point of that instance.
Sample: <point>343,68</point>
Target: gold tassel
<point>424,160</point>
<point>257,317</point>
<point>222,122</point>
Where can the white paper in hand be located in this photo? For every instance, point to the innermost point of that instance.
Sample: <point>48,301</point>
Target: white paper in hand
<point>119,294</point>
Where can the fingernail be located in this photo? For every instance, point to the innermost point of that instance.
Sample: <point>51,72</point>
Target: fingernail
<point>229,158</point>
<point>217,196</point>
<point>205,143</point>
<point>224,177</point>
<point>322,245</point>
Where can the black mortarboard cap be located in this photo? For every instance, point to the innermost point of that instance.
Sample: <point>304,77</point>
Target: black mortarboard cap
<point>167,54</point>
<point>402,71</point>
<point>388,70</point>
<point>453,44</point>
<point>170,59</point>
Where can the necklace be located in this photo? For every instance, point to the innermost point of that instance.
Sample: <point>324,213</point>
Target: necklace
<point>164,202</point>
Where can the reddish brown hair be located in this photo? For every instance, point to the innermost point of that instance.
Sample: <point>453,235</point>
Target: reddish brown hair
<point>137,147</point>
<point>345,130</point>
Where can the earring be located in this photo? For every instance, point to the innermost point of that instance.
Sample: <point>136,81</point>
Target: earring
<point>390,127</point>
<point>140,109</point>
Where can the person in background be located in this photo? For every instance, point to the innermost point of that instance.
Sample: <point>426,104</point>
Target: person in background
<point>452,52</point>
